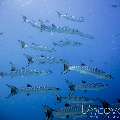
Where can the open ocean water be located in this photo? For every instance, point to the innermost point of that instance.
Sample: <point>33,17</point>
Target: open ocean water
<point>38,24</point>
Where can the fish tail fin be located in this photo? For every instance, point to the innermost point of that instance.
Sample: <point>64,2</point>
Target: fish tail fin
<point>24,18</point>
<point>71,93</point>
<point>29,59</point>
<point>58,97</point>
<point>71,86</point>
<point>14,90</point>
<point>58,13</point>
<point>12,66</point>
<point>105,105</point>
<point>48,112</point>
<point>1,75</point>
<point>66,68</point>
<point>23,44</point>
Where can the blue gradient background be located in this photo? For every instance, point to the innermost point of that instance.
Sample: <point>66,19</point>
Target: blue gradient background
<point>104,50</point>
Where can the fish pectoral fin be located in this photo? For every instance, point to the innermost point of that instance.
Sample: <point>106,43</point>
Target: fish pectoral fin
<point>71,93</point>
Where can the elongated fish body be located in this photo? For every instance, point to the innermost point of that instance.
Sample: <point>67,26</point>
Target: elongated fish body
<point>75,99</point>
<point>29,72</point>
<point>44,60</point>
<point>41,47</point>
<point>84,69</point>
<point>53,28</point>
<point>69,112</point>
<point>32,90</point>
<point>35,46</point>
<point>86,86</point>
<point>63,43</point>
<point>25,72</point>
<point>70,17</point>
<point>90,86</point>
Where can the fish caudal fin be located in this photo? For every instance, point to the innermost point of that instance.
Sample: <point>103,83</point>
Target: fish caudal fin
<point>59,14</point>
<point>58,98</point>
<point>24,18</point>
<point>23,44</point>
<point>14,90</point>
<point>48,112</point>
<point>71,87</point>
<point>1,75</point>
<point>12,66</point>
<point>29,59</point>
<point>66,68</point>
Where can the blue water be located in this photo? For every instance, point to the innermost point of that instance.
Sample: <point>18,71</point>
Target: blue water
<point>103,51</point>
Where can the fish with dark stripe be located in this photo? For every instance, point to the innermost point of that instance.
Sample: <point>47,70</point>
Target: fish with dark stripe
<point>53,28</point>
<point>85,86</point>
<point>24,71</point>
<point>87,70</point>
<point>29,89</point>
<point>42,59</point>
<point>35,46</point>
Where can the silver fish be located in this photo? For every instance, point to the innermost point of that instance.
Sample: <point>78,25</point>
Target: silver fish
<point>35,46</point>
<point>53,28</point>
<point>75,99</point>
<point>70,17</point>
<point>29,89</point>
<point>85,86</point>
<point>44,60</point>
<point>69,112</point>
<point>24,71</point>
<point>63,43</point>
<point>87,70</point>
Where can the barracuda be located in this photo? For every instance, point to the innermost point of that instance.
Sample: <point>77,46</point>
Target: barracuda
<point>43,60</point>
<point>63,43</point>
<point>70,17</point>
<point>87,70</point>
<point>35,46</point>
<point>85,86</point>
<point>22,72</point>
<point>29,89</point>
<point>53,28</point>
<point>70,112</point>
<point>75,99</point>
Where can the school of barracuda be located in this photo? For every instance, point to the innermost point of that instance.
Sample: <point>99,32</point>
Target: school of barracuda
<point>74,106</point>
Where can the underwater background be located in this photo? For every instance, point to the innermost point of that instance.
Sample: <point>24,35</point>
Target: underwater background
<point>102,22</point>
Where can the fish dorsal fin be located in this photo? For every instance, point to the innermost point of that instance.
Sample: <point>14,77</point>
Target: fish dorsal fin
<point>13,67</point>
<point>83,64</point>
<point>84,81</point>
<point>28,85</point>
